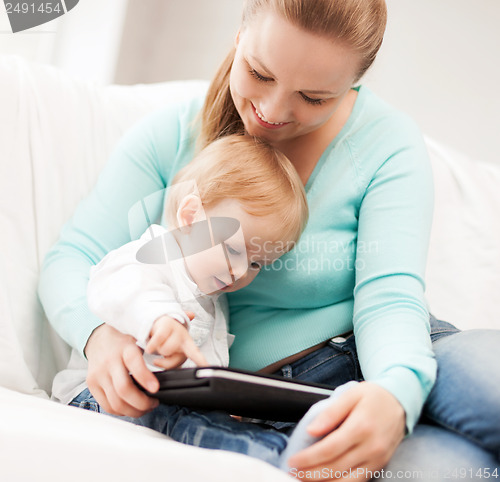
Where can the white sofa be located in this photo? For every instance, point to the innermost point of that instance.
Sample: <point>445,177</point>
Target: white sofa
<point>56,132</point>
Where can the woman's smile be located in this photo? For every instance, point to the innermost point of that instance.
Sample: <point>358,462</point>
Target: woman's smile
<point>280,83</point>
<point>264,122</point>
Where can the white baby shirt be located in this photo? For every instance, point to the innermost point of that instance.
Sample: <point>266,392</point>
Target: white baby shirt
<point>130,296</point>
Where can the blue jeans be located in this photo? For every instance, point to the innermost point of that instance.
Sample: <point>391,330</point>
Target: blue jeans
<point>459,427</point>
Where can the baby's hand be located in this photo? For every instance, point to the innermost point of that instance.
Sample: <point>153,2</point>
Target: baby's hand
<point>171,339</point>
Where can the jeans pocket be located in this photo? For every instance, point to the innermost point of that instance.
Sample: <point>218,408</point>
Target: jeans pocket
<point>347,345</point>
<point>332,365</point>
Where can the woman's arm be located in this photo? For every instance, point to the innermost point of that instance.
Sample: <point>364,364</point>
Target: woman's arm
<point>365,425</point>
<point>143,163</point>
<point>99,225</point>
<point>391,320</point>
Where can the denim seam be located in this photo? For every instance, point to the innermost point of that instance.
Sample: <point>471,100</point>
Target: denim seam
<point>441,335</point>
<point>358,374</point>
<point>451,332</point>
<point>462,434</point>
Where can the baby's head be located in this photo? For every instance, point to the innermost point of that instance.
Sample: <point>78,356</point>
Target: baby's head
<point>242,178</point>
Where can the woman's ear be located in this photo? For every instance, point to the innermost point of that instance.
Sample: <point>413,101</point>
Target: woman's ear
<point>190,211</point>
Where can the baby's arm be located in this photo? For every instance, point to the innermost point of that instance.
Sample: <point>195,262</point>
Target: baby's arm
<point>132,297</point>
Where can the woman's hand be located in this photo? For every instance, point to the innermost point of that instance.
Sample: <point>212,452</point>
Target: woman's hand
<point>364,426</point>
<point>171,339</point>
<point>111,357</point>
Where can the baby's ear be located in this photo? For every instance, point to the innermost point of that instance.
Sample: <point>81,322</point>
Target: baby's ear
<point>190,211</point>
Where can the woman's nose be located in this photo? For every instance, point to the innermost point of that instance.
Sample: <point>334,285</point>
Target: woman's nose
<point>274,106</point>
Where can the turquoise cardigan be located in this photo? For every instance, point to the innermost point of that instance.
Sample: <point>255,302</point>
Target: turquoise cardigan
<point>358,265</point>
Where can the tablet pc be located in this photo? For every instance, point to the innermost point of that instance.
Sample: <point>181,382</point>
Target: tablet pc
<point>239,392</point>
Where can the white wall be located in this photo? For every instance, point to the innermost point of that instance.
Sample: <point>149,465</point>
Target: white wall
<point>35,44</point>
<point>176,39</point>
<point>440,62</point>
<point>83,42</point>
<point>88,39</point>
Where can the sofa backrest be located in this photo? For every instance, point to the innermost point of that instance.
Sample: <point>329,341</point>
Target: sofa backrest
<point>56,132</point>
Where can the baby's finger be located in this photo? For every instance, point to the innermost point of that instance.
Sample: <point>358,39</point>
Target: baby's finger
<point>194,353</point>
<point>154,343</point>
<point>173,361</point>
<point>173,344</point>
<point>190,314</point>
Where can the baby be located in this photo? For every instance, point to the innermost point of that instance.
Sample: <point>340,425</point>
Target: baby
<point>237,206</point>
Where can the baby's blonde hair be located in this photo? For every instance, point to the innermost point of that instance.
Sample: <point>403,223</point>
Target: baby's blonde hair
<point>250,171</point>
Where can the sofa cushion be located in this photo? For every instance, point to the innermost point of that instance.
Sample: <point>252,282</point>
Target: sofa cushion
<point>49,441</point>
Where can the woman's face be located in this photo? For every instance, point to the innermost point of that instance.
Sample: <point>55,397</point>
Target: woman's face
<point>285,81</point>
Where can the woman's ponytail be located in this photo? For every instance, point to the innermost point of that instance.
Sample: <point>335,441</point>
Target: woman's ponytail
<point>219,116</point>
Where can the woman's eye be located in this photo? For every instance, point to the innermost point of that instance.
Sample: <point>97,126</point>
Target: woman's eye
<point>312,101</point>
<point>262,78</point>
<point>258,76</point>
<point>255,265</point>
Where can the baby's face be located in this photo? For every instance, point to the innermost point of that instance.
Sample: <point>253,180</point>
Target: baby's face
<point>235,262</point>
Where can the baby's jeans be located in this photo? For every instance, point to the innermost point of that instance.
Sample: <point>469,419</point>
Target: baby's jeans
<point>457,437</point>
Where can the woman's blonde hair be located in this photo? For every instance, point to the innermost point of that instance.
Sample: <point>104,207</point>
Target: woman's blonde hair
<point>359,24</point>
<point>250,171</point>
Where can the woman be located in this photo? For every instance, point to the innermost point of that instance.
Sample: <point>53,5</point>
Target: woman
<point>347,303</point>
